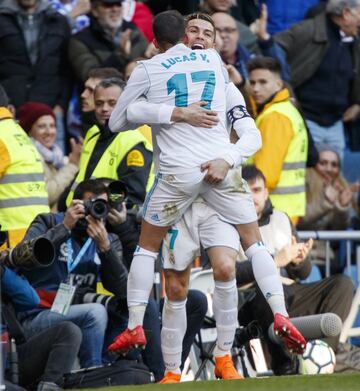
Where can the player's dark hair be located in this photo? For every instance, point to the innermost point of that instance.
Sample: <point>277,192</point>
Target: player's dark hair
<point>269,63</point>
<point>89,186</point>
<point>111,82</point>
<point>169,27</point>
<point>202,16</point>
<point>251,173</point>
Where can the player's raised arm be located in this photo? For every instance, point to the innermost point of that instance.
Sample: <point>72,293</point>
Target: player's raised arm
<point>136,87</point>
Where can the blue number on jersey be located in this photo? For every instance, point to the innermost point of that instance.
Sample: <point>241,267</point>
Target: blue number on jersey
<point>208,92</point>
<point>178,84</point>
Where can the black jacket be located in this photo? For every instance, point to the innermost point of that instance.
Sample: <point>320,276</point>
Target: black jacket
<point>92,48</point>
<point>46,81</point>
<point>112,270</point>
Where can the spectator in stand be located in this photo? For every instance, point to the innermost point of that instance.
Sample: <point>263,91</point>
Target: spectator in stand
<point>332,294</point>
<point>234,54</point>
<point>328,200</point>
<point>22,186</point>
<point>125,156</point>
<point>323,54</point>
<point>33,62</point>
<point>282,158</point>
<point>109,40</point>
<point>75,11</point>
<point>140,14</point>
<point>96,75</point>
<point>282,15</point>
<point>38,121</point>
<point>247,38</point>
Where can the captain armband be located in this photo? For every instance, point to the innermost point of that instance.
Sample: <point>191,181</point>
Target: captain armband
<point>236,113</point>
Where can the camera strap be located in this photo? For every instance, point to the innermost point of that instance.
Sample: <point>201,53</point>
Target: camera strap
<point>72,263</point>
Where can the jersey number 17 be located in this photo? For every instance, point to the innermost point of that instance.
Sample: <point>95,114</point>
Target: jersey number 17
<point>178,83</point>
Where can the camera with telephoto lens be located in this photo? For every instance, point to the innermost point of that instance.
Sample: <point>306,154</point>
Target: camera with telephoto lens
<point>97,208</point>
<point>244,334</point>
<point>37,252</point>
<point>117,194</point>
<point>113,305</point>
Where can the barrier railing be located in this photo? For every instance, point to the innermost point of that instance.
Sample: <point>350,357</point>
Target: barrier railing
<point>328,236</point>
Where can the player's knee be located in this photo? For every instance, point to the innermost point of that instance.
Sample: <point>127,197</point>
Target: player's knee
<point>225,269</point>
<point>176,290</point>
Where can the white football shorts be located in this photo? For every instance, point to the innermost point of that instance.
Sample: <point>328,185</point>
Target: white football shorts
<point>199,225</point>
<point>171,195</point>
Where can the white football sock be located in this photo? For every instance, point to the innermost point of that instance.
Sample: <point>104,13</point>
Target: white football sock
<point>225,301</point>
<point>139,285</point>
<point>172,333</point>
<point>267,277</point>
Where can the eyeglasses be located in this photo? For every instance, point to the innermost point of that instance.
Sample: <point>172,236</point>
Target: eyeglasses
<point>226,30</point>
<point>110,5</point>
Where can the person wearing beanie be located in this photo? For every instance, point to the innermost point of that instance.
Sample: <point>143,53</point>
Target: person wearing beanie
<point>329,199</point>
<point>38,121</point>
<point>22,191</point>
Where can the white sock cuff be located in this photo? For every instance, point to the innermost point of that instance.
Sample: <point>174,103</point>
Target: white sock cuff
<point>142,251</point>
<point>177,305</point>
<point>225,285</point>
<point>254,248</point>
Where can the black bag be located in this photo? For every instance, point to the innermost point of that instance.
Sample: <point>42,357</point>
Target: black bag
<point>121,372</point>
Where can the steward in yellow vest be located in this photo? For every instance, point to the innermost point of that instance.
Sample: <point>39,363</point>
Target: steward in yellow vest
<point>282,158</point>
<point>126,156</point>
<point>23,193</point>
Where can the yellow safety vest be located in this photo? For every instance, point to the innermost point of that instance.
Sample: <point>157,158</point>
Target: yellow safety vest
<point>111,158</point>
<point>23,192</point>
<point>289,195</point>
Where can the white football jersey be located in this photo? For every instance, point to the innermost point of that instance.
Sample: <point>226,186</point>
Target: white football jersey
<point>180,77</point>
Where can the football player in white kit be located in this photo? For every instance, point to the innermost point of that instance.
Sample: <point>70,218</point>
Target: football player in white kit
<point>177,190</point>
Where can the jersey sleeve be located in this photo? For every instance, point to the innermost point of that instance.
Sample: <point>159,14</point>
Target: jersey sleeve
<point>143,111</point>
<point>136,87</point>
<point>244,125</point>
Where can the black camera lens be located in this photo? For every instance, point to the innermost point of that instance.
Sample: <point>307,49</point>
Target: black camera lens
<point>98,208</point>
<point>117,194</point>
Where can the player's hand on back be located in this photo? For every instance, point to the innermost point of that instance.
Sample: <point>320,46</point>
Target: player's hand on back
<point>216,170</point>
<point>196,115</point>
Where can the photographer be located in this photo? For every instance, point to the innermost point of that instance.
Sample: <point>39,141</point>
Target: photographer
<point>85,253</point>
<point>44,358</point>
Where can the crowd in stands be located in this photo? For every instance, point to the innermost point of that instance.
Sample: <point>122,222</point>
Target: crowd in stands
<point>64,65</point>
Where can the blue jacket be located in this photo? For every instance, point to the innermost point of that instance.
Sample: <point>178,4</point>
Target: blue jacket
<point>282,15</point>
<point>23,296</point>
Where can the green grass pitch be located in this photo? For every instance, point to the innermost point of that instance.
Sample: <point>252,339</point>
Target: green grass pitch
<point>335,382</point>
